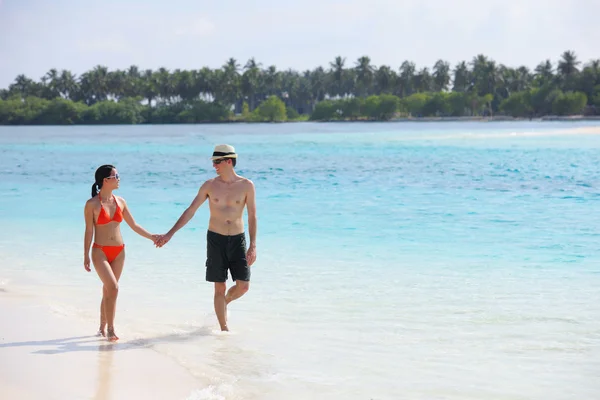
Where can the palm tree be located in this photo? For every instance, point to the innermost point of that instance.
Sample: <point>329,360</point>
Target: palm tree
<point>385,80</point>
<point>423,81</point>
<point>206,84</point>
<point>272,82</point>
<point>185,85</point>
<point>441,76</point>
<point>485,75</point>
<point>226,83</point>
<point>338,74</point>
<point>364,76</point>
<point>251,82</point>
<point>589,82</point>
<point>462,78</point>
<point>23,86</point>
<point>149,86</point>
<point>133,82</point>
<point>475,83</point>
<point>51,81</point>
<point>318,80</point>
<point>406,84</point>
<point>567,66</point>
<point>117,84</point>
<point>568,71</point>
<point>544,73</point>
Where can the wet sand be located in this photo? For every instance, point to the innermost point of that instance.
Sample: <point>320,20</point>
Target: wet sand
<point>50,356</point>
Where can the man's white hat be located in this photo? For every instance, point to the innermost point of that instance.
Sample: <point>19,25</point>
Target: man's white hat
<point>223,151</point>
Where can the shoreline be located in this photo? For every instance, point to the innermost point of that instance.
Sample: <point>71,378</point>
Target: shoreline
<point>575,118</point>
<point>42,346</point>
<point>365,121</point>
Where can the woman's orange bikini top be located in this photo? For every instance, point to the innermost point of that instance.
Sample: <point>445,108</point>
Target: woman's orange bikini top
<point>104,218</point>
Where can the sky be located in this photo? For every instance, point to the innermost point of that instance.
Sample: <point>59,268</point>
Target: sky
<point>77,35</point>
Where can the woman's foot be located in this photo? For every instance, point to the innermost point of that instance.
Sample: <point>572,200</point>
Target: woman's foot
<point>112,337</point>
<point>101,331</point>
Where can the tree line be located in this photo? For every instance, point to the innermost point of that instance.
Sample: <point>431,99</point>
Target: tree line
<point>340,91</point>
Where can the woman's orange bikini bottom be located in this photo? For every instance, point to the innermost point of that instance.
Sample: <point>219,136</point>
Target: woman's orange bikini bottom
<point>111,252</point>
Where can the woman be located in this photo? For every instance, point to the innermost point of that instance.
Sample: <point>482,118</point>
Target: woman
<point>104,212</point>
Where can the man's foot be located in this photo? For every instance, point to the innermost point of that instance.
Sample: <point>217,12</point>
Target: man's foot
<point>224,328</point>
<point>112,337</point>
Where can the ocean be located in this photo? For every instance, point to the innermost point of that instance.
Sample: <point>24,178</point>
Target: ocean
<point>438,260</point>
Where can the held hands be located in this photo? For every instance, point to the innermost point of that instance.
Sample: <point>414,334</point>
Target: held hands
<point>162,240</point>
<point>155,238</point>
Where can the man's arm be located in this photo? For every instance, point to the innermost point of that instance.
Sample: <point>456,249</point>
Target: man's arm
<point>252,222</point>
<point>187,215</point>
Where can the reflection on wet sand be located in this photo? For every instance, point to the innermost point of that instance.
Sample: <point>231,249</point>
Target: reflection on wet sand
<point>105,363</point>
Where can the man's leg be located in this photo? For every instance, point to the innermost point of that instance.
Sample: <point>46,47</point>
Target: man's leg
<point>221,305</point>
<point>237,291</point>
<point>240,271</point>
<point>216,272</point>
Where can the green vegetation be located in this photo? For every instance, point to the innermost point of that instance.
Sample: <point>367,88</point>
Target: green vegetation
<point>252,94</point>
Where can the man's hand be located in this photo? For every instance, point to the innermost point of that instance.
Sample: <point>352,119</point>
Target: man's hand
<point>86,263</point>
<point>251,255</point>
<point>164,239</point>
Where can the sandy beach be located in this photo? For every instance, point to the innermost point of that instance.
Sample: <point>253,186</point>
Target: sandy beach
<point>45,355</point>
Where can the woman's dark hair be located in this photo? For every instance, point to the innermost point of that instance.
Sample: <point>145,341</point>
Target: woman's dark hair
<point>102,172</point>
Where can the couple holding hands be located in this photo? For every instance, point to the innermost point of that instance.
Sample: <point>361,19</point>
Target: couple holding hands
<point>227,194</point>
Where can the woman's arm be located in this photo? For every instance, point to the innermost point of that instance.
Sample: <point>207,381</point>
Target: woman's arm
<point>134,225</point>
<point>88,214</point>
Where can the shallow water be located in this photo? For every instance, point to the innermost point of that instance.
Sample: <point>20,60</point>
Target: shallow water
<point>395,260</point>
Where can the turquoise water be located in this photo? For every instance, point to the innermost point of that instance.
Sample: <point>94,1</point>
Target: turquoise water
<point>395,260</point>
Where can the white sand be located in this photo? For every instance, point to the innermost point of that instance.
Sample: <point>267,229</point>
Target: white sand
<point>49,356</point>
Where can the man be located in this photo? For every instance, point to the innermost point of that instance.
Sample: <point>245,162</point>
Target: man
<point>227,195</point>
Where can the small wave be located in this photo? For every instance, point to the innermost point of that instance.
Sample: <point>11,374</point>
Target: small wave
<point>211,392</point>
<point>503,221</point>
<point>509,135</point>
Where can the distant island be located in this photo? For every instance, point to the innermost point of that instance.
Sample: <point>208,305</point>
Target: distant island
<point>481,88</point>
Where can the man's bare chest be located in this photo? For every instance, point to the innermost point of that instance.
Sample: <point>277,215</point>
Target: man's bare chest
<point>227,196</point>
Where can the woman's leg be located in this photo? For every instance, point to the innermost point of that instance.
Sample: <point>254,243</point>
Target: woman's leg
<point>101,331</point>
<point>117,269</point>
<point>109,275</point>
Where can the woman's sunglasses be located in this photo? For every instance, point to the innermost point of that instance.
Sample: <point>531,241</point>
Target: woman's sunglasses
<point>115,176</point>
